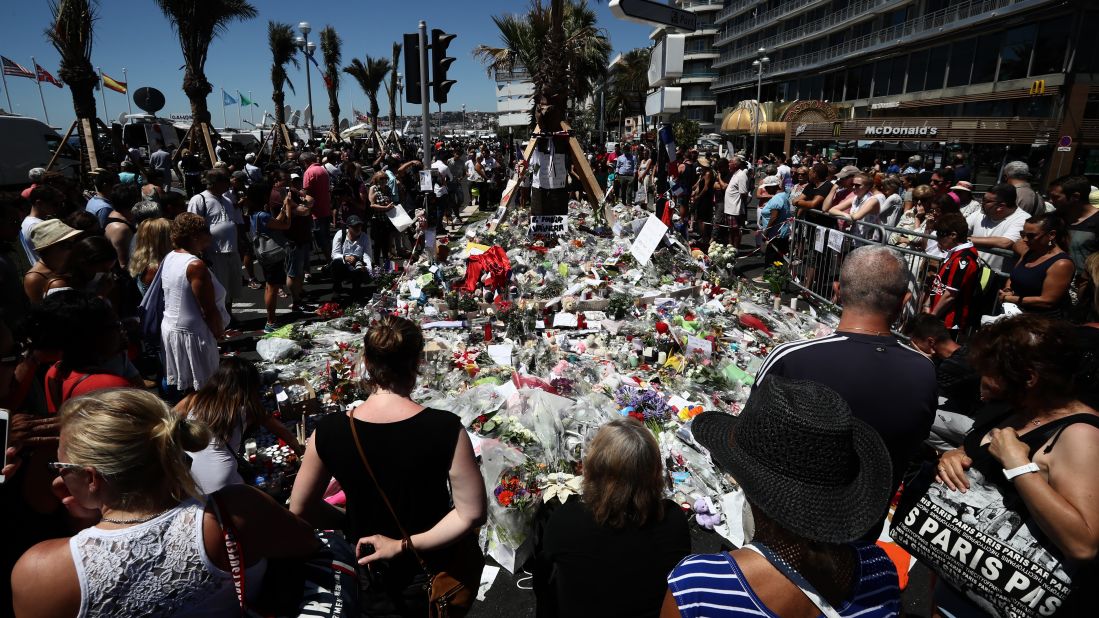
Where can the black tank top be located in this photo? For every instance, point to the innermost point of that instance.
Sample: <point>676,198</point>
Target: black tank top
<point>1028,280</point>
<point>411,459</point>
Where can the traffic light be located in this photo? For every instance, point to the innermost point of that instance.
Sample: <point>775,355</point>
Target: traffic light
<point>440,63</point>
<point>412,78</point>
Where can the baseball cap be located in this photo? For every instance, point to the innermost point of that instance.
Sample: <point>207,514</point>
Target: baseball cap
<point>847,172</point>
<point>354,220</point>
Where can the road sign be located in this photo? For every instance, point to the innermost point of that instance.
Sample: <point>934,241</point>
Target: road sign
<point>649,12</point>
<point>1064,144</point>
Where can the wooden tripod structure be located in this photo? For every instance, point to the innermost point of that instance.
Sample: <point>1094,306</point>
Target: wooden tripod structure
<point>198,136</point>
<point>278,138</point>
<point>90,157</point>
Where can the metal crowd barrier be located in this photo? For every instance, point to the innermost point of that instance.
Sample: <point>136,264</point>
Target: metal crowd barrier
<point>818,248</point>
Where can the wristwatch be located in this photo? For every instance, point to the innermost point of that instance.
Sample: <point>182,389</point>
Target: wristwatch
<point>1021,470</point>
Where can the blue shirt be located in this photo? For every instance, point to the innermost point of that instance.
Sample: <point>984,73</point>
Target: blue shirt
<point>625,164</point>
<point>713,585</point>
<point>101,208</point>
<point>779,206</point>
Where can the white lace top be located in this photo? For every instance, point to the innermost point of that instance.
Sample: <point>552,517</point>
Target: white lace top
<point>158,568</point>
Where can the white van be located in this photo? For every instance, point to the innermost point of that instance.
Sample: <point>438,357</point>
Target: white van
<point>145,131</point>
<point>27,143</point>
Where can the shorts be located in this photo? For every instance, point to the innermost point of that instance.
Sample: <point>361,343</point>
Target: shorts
<point>731,221</point>
<point>274,273</point>
<point>297,259</point>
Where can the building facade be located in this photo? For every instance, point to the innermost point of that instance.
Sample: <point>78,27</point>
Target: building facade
<point>514,97</point>
<point>699,102</point>
<point>995,80</point>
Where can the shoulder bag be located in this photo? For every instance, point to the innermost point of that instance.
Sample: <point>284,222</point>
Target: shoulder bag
<point>985,543</point>
<point>320,586</point>
<point>452,584</point>
<point>267,249</point>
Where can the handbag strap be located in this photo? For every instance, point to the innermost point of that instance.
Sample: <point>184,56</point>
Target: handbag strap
<point>796,578</point>
<point>381,492</point>
<point>234,553</point>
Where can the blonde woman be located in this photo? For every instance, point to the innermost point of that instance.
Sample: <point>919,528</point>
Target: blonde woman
<point>153,545</point>
<point>623,534</point>
<point>154,241</point>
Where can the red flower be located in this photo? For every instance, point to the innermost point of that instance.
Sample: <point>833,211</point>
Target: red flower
<point>482,419</point>
<point>505,497</point>
<point>639,416</point>
<point>661,327</point>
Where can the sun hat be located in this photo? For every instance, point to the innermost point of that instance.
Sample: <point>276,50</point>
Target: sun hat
<point>771,181</point>
<point>802,459</point>
<point>847,172</point>
<point>704,162</point>
<point>50,232</point>
<point>963,185</point>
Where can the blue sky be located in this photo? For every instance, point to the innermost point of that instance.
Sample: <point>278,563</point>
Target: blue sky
<point>134,35</point>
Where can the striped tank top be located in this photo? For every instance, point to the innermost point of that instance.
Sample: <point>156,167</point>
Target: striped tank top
<point>713,586</point>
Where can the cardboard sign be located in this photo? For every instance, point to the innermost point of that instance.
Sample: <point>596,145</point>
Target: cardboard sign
<point>564,320</point>
<point>551,224</point>
<point>698,345</point>
<point>509,191</point>
<point>399,218</point>
<point>648,240</point>
<point>425,181</point>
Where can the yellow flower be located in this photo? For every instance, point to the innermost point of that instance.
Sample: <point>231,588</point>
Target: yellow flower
<point>777,263</point>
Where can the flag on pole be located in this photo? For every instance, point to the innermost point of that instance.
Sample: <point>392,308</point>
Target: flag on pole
<point>15,69</point>
<point>245,100</point>
<point>227,99</point>
<point>44,76</point>
<point>113,84</point>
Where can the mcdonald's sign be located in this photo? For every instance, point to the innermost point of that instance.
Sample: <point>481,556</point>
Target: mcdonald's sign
<point>1038,87</point>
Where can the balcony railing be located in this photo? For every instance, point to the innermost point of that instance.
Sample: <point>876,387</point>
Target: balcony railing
<point>847,16</point>
<point>735,8</point>
<point>763,20</point>
<point>688,4</point>
<point>936,23</point>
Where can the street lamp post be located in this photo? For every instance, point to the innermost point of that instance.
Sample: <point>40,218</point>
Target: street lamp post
<point>400,91</point>
<point>758,63</point>
<point>307,46</point>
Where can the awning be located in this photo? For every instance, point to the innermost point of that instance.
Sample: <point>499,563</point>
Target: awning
<point>739,121</point>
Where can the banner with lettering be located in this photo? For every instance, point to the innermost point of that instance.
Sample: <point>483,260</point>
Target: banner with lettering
<point>992,552</point>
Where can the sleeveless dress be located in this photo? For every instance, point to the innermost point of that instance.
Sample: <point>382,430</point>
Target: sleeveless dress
<point>157,568</point>
<point>190,349</point>
<point>215,466</point>
<point>712,585</point>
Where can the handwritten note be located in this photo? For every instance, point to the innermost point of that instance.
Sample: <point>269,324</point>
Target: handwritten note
<point>698,345</point>
<point>549,224</point>
<point>647,241</point>
<point>500,354</point>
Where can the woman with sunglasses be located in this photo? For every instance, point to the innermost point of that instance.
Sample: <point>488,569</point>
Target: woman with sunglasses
<point>152,545</point>
<point>1039,283</point>
<point>864,207</point>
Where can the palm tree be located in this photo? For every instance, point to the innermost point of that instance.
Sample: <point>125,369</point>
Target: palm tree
<point>629,82</point>
<point>71,35</point>
<point>581,54</point>
<point>333,55</point>
<point>196,24</point>
<point>370,75</point>
<point>280,37</point>
<point>391,89</point>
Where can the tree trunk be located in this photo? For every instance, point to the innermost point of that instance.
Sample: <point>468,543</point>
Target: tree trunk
<point>197,88</point>
<point>375,110</point>
<point>278,97</point>
<point>334,110</point>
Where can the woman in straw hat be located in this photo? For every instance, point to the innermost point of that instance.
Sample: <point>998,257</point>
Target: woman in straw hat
<point>53,242</point>
<point>815,479</point>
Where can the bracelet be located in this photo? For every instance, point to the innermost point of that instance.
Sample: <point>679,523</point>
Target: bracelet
<point>404,545</point>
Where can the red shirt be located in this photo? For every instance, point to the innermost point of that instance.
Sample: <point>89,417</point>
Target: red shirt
<point>959,273</point>
<point>68,384</point>
<point>316,183</point>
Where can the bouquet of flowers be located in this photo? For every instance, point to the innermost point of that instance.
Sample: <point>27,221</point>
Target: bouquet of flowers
<point>777,277</point>
<point>518,488</point>
<point>645,405</point>
<point>328,311</point>
<point>722,257</point>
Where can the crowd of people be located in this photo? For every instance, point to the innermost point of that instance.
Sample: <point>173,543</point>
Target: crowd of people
<point>123,497</point>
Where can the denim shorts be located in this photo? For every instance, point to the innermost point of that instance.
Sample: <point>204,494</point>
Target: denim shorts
<point>297,259</point>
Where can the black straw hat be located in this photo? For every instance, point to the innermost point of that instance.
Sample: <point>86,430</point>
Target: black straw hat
<point>802,459</point>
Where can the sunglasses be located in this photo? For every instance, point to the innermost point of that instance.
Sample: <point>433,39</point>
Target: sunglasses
<point>1033,235</point>
<point>60,466</point>
<point>857,186</point>
<point>937,182</point>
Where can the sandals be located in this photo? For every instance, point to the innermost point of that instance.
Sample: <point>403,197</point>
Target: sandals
<point>253,284</point>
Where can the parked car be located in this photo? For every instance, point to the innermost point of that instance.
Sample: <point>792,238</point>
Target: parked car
<point>27,143</point>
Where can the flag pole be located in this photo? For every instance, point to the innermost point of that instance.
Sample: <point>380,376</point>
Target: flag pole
<point>240,103</point>
<point>224,124</point>
<point>129,108</point>
<point>41,96</point>
<point>252,108</point>
<point>7,93</point>
<point>103,95</point>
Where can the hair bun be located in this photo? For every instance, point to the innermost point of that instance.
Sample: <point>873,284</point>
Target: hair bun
<point>189,435</point>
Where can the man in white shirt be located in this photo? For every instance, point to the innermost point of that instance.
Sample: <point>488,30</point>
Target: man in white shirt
<point>441,180</point>
<point>223,218</point>
<point>785,174</point>
<point>736,201</point>
<point>999,224</point>
<point>351,251</point>
<point>44,203</point>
